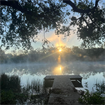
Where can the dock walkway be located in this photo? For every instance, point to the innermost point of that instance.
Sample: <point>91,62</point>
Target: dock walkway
<point>63,90</point>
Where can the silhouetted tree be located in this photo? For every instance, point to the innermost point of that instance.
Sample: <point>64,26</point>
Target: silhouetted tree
<point>22,20</point>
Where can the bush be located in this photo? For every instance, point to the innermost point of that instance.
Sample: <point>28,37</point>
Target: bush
<point>10,83</point>
<point>12,93</point>
<point>10,86</point>
<point>91,98</point>
<point>7,97</point>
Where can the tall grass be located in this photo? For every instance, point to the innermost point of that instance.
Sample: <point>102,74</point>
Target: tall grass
<point>35,87</point>
<point>11,91</point>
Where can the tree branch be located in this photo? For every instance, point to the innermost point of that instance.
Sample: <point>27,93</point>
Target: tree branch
<point>15,5</point>
<point>76,9</point>
<point>96,4</point>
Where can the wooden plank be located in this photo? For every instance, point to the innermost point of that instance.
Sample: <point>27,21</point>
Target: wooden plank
<point>76,79</point>
<point>63,91</point>
<point>62,99</point>
<point>69,76</point>
<point>62,82</point>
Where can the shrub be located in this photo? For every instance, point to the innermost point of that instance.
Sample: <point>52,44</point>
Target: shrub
<point>10,83</point>
<point>91,98</point>
<point>12,93</point>
<point>7,97</point>
<point>9,87</point>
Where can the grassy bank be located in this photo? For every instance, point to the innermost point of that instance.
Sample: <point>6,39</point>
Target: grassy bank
<point>11,91</point>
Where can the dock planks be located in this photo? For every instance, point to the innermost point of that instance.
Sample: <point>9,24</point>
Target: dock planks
<point>63,90</point>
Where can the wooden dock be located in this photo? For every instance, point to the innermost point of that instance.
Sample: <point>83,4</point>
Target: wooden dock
<point>62,89</point>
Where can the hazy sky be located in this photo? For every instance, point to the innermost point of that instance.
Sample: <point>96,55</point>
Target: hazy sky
<point>68,41</point>
<point>56,40</point>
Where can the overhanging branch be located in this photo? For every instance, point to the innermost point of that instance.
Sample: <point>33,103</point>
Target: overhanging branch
<point>76,9</point>
<point>15,5</point>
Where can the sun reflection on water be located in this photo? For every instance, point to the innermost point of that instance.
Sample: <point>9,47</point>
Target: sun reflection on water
<point>58,70</point>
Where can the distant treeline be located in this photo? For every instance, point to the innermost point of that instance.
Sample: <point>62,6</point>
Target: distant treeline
<point>53,54</point>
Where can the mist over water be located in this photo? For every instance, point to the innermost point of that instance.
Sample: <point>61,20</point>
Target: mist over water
<point>91,72</point>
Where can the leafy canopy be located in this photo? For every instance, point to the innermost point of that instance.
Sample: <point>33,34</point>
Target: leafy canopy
<point>22,20</point>
<point>90,22</point>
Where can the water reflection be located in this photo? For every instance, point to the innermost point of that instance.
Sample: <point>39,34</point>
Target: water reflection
<point>91,79</point>
<point>59,59</point>
<point>58,70</point>
<point>90,71</point>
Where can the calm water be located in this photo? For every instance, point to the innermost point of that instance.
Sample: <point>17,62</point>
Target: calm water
<point>91,72</point>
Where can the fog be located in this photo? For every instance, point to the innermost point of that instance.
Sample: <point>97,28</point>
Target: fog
<point>91,72</point>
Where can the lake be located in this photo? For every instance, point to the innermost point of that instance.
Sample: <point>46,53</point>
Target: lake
<point>91,72</point>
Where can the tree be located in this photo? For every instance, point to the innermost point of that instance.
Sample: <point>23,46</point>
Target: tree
<point>90,22</point>
<point>2,56</point>
<point>22,20</point>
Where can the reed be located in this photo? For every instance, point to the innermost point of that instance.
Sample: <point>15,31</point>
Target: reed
<point>11,91</point>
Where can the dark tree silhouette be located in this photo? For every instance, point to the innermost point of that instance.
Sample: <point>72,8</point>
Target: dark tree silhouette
<point>22,20</point>
<point>91,21</point>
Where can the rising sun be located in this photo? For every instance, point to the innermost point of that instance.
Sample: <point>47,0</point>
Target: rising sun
<point>60,50</point>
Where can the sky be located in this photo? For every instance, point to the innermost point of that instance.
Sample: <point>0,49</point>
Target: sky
<point>68,41</point>
<point>55,40</point>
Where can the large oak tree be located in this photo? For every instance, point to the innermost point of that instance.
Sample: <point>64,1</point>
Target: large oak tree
<point>22,20</point>
<point>91,21</point>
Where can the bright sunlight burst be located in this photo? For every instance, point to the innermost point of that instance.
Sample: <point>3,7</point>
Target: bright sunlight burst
<point>60,68</point>
<point>60,50</point>
<point>59,46</point>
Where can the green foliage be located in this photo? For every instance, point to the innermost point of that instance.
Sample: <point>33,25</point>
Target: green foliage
<point>91,98</point>
<point>7,97</point>
<point>21,21</point>
<point>21,97</point>
<point>36,98</point>
<point>51,54</point>
<point>90,22</point>
<point>100,87</point>
<point>95,98</point>
<point>10,97</point>
<point>10,83</point>
<point>12,93</point>
<point>2,56</point>
<point>90,25</point>
<point>25,19</point>
<point>10,89</point>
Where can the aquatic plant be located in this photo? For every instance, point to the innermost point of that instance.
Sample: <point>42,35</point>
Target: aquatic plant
<point>95,97</point>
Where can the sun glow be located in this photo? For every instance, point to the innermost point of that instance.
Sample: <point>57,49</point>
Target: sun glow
<point>60,46</point>
<point>58,70</point>
<point>60,50</point>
